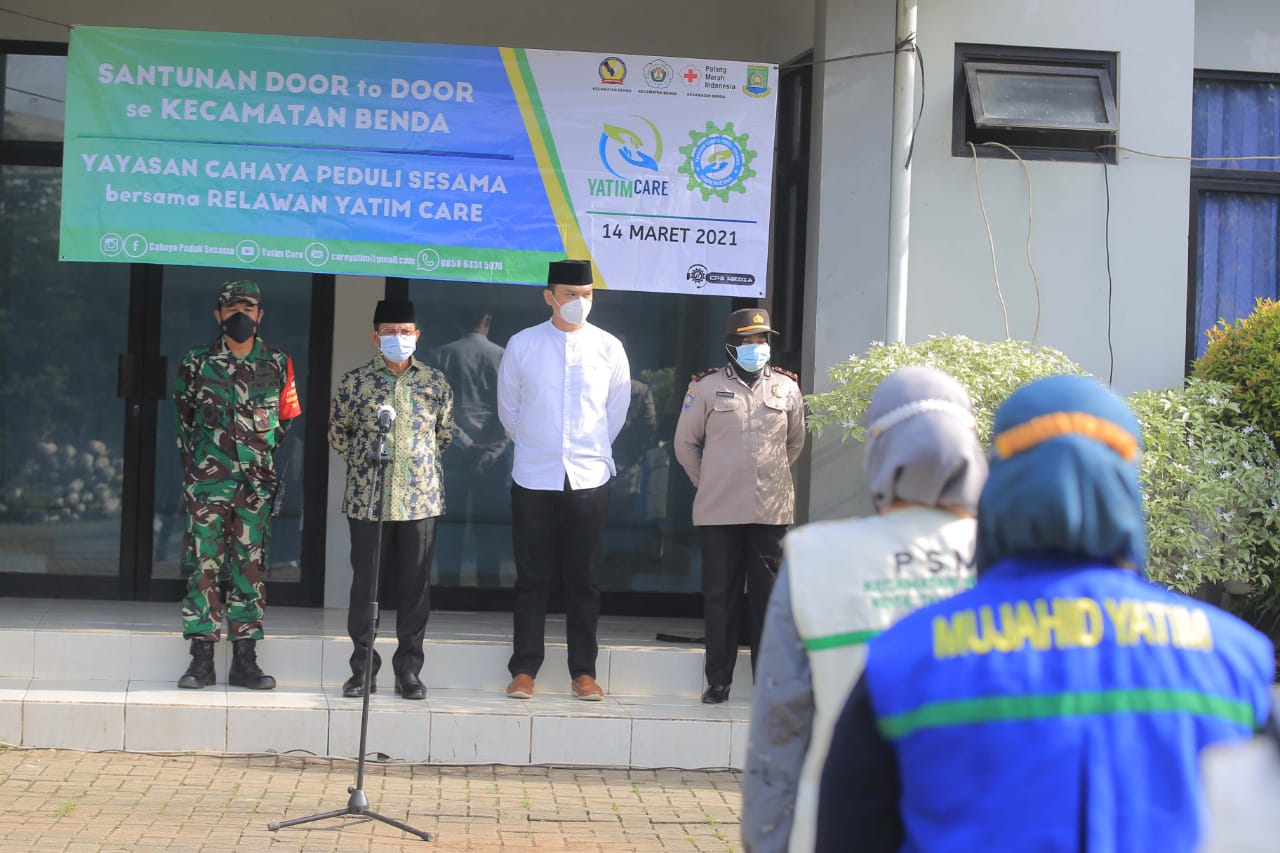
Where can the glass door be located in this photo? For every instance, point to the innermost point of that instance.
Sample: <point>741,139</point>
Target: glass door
<point>63,440</point>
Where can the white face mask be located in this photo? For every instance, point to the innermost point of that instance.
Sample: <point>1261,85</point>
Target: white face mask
<point>397,348</point>
<point>575,311</point>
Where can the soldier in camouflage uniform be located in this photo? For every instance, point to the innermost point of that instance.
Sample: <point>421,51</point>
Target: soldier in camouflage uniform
<point>234,400</point>
<point>400,530</point>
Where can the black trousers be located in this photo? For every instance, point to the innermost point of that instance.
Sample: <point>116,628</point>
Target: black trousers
<point>734,554</point>
<point>407,548</point>
<point>557,539</point>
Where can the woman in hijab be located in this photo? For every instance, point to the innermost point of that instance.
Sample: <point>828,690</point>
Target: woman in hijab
<point>842,582</point>
<point>1060,704</point>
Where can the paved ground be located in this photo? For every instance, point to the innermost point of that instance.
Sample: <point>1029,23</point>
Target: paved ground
<point>116,801</point>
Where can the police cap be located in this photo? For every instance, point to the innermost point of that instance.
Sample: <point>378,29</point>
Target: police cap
<point>748,321</point>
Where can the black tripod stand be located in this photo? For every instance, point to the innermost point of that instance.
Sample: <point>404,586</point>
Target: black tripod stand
<point>358,803</point>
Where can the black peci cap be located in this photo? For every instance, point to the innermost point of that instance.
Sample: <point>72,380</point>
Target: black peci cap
<point>393,311</point>
<point>571,272</point>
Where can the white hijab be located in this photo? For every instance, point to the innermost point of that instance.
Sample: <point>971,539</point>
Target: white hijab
<point>921,446</point>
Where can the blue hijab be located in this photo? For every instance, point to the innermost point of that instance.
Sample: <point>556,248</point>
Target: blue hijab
<point>1063,477</point>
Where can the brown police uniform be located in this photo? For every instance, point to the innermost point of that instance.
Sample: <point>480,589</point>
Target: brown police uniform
<point>737,438</point>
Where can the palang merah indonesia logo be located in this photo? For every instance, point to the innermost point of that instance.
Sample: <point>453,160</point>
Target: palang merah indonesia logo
<point>613,71</point>
<point>757,85</point>
<point>717,162</point>
<point>658,74</point>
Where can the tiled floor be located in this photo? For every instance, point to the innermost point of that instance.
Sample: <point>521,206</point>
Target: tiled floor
<point>69,800</point>
<point>101,675</point>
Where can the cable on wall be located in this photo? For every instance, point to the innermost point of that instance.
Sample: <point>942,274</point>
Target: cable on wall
<point>909,43</point>
<point>35,18</point>
<point>1035,278</point>
<point>1187,158</point>
<point>991,242</point>
<point>1106,182</point>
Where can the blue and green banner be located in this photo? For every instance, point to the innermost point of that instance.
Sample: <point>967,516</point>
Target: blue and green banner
<point>415,160</point>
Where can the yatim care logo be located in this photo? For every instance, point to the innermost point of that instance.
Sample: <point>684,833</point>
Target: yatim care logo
<point>717,161</point>
<point>630,154</point>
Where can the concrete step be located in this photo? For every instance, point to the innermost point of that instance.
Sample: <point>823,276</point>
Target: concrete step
<point>102,675</point>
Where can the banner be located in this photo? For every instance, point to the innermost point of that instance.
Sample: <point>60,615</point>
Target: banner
<point>419,161</point>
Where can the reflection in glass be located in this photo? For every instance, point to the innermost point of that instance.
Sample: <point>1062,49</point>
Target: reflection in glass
<point>477,465</point>
<point>61,428</point>
<point>188,321</point>
<point>650,543</point>
<point>33,99</point>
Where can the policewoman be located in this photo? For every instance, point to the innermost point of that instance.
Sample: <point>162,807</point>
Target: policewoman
<point>234,399</point>
<point>1062,703</point>
<point>740,430</point>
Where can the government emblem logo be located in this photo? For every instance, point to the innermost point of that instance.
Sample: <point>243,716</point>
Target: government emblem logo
<point>757,85</point>
<point>613,71</point>
<point>658,74</point>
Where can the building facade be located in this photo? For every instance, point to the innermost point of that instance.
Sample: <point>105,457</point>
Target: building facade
<point>881,220</point>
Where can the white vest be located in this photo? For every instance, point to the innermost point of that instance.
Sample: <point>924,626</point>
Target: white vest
<point>850,580</point>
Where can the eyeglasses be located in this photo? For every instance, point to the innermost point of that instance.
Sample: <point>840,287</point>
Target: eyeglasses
<point>387,330</point>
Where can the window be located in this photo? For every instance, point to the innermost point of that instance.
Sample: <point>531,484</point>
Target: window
<point>1235,203</point>
<point>1045,104</point>
<point>34,76</point>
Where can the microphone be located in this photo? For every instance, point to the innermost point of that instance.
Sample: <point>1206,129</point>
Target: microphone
<point>386,415</point>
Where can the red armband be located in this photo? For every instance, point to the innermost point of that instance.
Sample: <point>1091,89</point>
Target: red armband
<point>289,406</point>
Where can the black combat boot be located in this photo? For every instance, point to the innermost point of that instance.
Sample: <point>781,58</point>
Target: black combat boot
<point>200,672</point>
<point>245,671</point>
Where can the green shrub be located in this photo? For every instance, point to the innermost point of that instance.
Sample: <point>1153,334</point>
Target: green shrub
<point>990,371</point>
<point>1210,484</point>
<point>1210,487</point>
<point>1246,355</point>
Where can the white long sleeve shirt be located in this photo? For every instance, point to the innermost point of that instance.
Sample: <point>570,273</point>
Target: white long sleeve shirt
<point>563,397</point>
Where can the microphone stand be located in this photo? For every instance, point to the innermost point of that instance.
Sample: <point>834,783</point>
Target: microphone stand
<point>358,803</point>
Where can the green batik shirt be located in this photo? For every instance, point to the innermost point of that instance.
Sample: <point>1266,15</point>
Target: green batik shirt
<point>230,415</point>
<point>422,429</point>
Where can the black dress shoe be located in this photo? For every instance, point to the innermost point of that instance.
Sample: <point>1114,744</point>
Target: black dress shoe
<point>410,686</point>
<point>715,694</point>
<point>353,687</point>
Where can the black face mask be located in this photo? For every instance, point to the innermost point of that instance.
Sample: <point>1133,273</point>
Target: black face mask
<point>239,327</point>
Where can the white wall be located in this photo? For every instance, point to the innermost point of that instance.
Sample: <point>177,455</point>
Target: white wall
<point>353,318</point>
<point>848,226</point>
<point>951,281</point>
<point>1238,35</point>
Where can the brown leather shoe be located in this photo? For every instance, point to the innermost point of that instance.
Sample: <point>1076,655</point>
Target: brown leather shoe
<point>586,689</point>
<point>521,687</point>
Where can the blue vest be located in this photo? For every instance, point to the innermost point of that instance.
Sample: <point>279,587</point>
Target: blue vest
<point>1060,706</point>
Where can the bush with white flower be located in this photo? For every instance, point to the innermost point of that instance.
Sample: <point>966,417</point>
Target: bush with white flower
<point>1210,479</point>
<point>989,371</point>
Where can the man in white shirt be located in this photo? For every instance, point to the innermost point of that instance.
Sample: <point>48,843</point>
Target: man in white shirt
<point>564,387</point>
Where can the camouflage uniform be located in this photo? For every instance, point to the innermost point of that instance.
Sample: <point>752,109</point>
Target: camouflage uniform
<point>231,414</point>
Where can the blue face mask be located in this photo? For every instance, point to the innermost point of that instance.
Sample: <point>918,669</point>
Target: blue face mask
<point>397,348</point>
<point>752,357</point>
